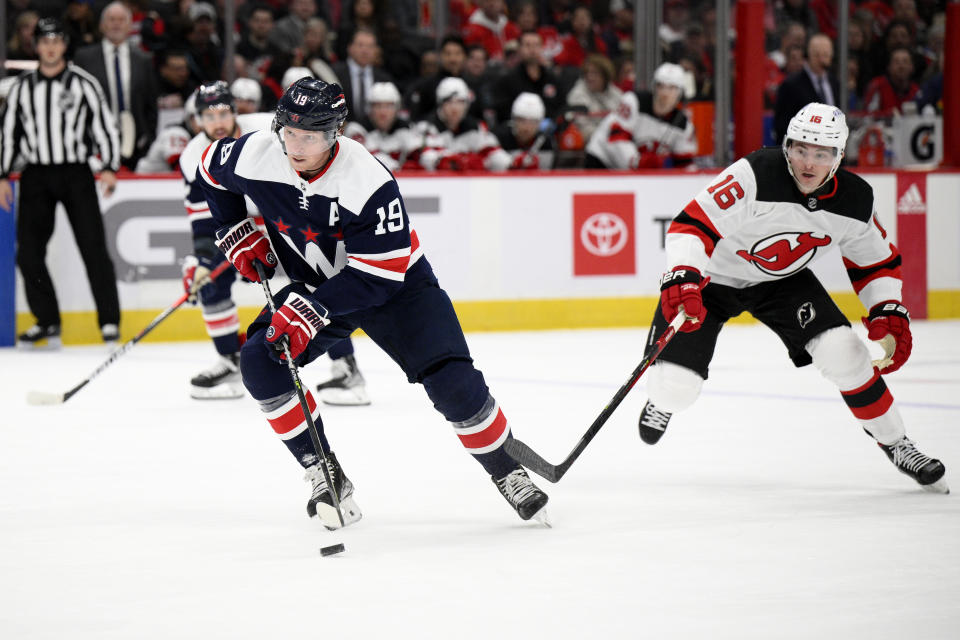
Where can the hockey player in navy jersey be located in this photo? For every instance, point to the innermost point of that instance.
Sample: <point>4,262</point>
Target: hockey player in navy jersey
<point>339,227</point>
<point>752,233</point>
<point>217,113</point>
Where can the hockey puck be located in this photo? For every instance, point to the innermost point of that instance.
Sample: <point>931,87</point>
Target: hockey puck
<point>332,549</point>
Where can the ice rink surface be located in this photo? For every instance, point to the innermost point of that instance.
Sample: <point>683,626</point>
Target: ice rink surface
<point>133,511</point>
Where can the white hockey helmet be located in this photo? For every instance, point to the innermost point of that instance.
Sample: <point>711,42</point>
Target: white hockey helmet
<point>452,88</point>
<point>293,74</point>
<point>529,106</point>
<point>383,92</point>
<point>819,124</point>
<point>246,89</point>
<point>190,106</point>
<point>672,75</point>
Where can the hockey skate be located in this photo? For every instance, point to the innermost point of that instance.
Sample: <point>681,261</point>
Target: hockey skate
<point>320,504</point>
<point>927,471</point>
<point>38,337</point>
<point>346,386</point>
<point>221,381</point>
<point>653,423</point>
<point>524,496</point>
<point>110,334</point>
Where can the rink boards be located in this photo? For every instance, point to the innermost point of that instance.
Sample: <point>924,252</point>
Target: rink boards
<point>536,251</point>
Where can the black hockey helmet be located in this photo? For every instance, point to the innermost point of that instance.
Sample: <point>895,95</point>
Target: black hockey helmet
<point>50,28</point>
<point>214,94</point>
<point>312,105</point>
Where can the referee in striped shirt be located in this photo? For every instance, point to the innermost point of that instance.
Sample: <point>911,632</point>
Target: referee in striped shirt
<point>56,118</point>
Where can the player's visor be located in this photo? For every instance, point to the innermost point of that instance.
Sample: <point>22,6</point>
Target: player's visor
<point>219,116</point>
<point>812,154</point>
<point>301,142</point>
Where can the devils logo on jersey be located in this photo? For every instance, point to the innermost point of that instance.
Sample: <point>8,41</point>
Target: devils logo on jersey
<point>805,314</point>
<point>784,254</point>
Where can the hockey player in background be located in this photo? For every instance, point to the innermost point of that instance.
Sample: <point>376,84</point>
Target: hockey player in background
<point>753,234</point>
<point>164,153</point>
<point>647,130</point>
<point>456,141</point>
<point>339,228</point>
<point>216,112</point>
<point>385,134</point>
<point>529,146</point>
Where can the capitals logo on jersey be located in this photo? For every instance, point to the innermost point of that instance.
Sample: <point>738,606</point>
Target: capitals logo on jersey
<point>784,254</point>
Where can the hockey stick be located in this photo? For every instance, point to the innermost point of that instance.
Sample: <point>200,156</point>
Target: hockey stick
<point>45,397</point>
<point>553,472</point>
<point>292,367</point>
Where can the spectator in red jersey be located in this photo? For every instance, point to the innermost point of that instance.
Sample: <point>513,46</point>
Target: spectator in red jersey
<point>619,35</point>
<point>886,94</point>
<point>581,41</point>
<point>488,26</point>
<point>528,19</point>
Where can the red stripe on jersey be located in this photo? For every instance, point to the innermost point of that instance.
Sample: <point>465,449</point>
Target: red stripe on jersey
<point>336,150</point>
<point>883,269</point>
<point>203,166</point>
<point>874,409</point>
<point>488,436</point>
<point>293,418</point>
<point>619,134</point>
<point>414,242</point>
<point>397,265</point>
<point>695,211</point>
<point>832,193</point>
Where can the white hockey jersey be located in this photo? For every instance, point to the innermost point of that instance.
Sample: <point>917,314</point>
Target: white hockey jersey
<point>632,137</point>
<point>194,201</point>
<point>752,224</point>
<point>393,148</point>
<point>164,152</point>
<point>471,147</point>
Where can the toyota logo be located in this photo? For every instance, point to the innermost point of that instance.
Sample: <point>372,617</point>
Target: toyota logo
<point>604,234</point>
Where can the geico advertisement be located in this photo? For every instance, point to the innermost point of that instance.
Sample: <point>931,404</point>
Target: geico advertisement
<point>488,238</point>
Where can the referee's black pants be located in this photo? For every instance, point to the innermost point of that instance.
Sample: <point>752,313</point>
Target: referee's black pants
<point>41,187</point>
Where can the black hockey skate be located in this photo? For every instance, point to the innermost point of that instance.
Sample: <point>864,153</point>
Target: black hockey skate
<point>927,471</point>
<point>346,387</point>
<point>320,503</point>
<point>40,337</point>
<point>524,496</point>
<point>220,381</point>
<point>653,423</point>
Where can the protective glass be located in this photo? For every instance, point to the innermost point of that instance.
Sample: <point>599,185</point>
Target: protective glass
<point>812,155</point>
<point>300,142</point>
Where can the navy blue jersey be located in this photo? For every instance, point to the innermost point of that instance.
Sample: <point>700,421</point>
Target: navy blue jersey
<point>344,233</point>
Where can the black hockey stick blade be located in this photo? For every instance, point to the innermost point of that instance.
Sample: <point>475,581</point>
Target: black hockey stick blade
<point>530,459</point>
<point>39,398</point>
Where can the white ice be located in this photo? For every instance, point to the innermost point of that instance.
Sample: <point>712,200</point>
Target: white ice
<point>765,512</point>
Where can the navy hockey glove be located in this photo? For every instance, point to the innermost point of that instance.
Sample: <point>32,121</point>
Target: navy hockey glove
<point>243,244</point>
<point>891,319</point>
<point>682,286</point>
<point>300,319</point>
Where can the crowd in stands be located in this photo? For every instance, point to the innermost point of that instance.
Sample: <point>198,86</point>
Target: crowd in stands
<point>566,65</point>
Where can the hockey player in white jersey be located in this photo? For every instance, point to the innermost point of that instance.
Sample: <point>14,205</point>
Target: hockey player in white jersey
<point>164,152</point>
<point>216,112</point>
<point>453,140</point>
<point>530,145</point>
<point>338,225</point>
<point>386,135</point>
<point>752,233</point>
<point>647,130</point>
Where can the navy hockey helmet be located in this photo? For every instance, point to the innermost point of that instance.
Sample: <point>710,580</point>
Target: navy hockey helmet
<point>312,105</point>
<point>214,94</point>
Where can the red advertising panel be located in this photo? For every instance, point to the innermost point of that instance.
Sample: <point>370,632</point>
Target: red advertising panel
<point>912,239</point>
<point>603,226</point>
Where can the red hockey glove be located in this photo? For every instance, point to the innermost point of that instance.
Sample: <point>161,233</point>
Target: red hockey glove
<point>196,275</point>
<point>682,286</point>
<point>525,161</point>
<point>300,319</point>
<point>452,162</point>
<point>891,319</point>
<point>243,244</point>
